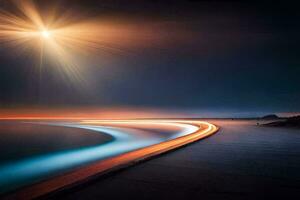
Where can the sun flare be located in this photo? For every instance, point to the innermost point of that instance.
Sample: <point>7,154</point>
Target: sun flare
<point>59,39</point>
<point>45,34</point>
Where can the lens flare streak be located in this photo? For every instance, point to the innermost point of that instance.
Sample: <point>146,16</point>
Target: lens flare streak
<point>62,41</point>
<point>132,142</point>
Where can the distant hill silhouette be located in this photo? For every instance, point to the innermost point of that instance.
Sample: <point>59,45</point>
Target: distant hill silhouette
<point>288,122</point>
<point>272,116</point>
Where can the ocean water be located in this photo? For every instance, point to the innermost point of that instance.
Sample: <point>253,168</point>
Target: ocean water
<point>241,161</point>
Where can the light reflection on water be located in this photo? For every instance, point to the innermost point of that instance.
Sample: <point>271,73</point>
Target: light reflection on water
<point>33,169</point>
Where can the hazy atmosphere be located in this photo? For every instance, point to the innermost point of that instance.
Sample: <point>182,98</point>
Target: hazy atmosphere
<point>148,99</point>
<point>165,55</point>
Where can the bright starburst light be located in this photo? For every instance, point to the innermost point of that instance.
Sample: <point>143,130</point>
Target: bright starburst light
<point>53,36</point>
<point>45,34</point>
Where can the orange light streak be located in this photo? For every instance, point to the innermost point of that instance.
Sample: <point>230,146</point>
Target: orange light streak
<point>205,129</point>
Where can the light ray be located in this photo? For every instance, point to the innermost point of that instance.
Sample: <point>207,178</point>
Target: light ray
<point>53,38</point>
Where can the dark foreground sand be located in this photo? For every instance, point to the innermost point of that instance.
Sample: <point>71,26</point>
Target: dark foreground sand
<point>242,161</point>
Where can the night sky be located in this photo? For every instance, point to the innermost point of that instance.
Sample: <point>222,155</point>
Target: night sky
<point>195,55</point>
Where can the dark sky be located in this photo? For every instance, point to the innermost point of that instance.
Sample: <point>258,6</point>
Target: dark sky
<point>216,55</point>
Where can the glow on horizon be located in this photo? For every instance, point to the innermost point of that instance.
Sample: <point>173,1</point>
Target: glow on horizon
<point>85,113</point>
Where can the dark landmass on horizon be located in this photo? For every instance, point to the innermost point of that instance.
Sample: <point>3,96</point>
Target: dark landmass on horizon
<point>288,122</point>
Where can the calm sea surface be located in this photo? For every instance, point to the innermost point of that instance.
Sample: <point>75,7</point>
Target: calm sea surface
<point>241,161</point>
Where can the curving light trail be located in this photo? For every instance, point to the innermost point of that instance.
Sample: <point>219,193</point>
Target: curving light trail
<point>133,140</point>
